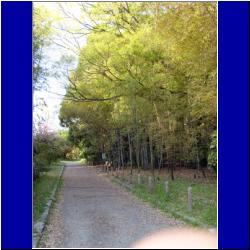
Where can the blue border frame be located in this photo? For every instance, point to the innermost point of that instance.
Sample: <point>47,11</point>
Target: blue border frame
<point>233,165</point>
<point>16,127</point>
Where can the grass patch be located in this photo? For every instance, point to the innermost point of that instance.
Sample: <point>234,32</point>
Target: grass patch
<point>204,212</point>
<point>42,189</point>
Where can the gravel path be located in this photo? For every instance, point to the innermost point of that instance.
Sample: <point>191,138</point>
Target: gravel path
<point>93,212</point>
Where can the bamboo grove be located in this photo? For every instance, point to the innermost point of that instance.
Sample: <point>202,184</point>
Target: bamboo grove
<point>144,90</point>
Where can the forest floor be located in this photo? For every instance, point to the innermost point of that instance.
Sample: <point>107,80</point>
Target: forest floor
<point>91,211</point>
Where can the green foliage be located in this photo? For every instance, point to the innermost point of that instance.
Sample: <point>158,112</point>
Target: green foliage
<point>74,154</point>
<point>148,71</point>
<point>212,156</point>
<point>41,32</point>
<point>47,148</point>
<point>42,189</point>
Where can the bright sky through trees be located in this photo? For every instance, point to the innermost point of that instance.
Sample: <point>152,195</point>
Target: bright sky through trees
<point>53,95</point>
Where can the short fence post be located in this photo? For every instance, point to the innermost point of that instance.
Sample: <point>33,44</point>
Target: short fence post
<point>130,177</point>
<point>150,183</point>
<point>166,187</point>
<point>118,172</point>
<point>190,198</point>
<point>139,179</point>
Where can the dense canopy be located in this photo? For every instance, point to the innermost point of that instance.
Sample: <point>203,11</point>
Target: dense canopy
<point>144,90</point>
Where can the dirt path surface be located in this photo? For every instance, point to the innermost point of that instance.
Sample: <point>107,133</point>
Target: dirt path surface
<point>93,212</point>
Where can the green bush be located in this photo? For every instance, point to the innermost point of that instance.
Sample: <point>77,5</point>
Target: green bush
<point>47,148</point>
<point>74,154</point>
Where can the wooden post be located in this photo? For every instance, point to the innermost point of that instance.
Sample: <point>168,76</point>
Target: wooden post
<point>106,167</point>
<point>130,178</point>
<point>150,183</point>
<point>139,179</point>
<point>166,187</point>
<point>190,198</point>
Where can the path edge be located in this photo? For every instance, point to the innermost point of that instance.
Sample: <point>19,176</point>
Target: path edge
<point>41,222</point>
<point>128,187</point>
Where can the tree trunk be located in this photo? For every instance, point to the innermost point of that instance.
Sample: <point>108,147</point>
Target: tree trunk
<point>137,154</point>
<point>172,165</point>
<point>130,154</point>
<point>151,156</point>
<point>161,155</point>
<point>172,171</point>
<point>121,153</point>
<point>197,160</point>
